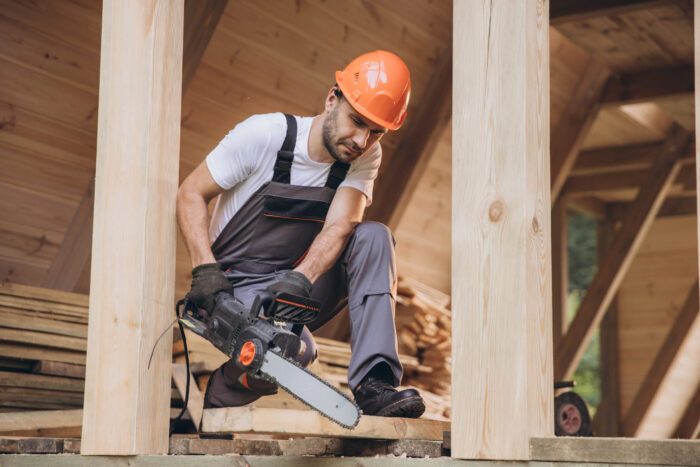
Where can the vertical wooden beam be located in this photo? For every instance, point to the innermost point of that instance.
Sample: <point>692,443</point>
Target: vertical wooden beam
<point>126,408</point>
<point>560,269</point>
<point>627,241</point>
<point>607,418</point>
<point>685,321</point>
<point>575,123</point>
<point>501,279</point>
<point>72,260</point>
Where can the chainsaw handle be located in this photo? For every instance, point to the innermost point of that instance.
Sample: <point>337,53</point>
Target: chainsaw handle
<point>264,300</point>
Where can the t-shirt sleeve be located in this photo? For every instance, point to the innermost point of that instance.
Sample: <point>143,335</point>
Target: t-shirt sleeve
<point>363,171</point>
<point>239,154</point>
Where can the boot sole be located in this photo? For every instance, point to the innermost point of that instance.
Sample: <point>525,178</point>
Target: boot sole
<point>412,407</point>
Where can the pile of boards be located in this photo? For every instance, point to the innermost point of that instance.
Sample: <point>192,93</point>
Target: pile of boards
<point>424,330</point>
<point>43,340</point>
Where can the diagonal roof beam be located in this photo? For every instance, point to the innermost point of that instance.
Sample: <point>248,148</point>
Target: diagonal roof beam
<point>685,321</point>
<point>572,129</point>
<point>201,18</point>
<point>689,425</point>
<point>412,154</point>
<point>569,11</point>
<point>625,245</point>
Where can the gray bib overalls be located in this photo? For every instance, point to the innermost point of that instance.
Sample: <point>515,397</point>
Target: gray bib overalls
<point>271,234</point>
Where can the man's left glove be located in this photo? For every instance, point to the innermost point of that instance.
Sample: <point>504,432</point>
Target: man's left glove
<point>292,282</point>
<point>208,280</point>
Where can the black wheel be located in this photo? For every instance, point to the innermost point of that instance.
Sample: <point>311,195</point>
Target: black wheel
<point>571,417</point>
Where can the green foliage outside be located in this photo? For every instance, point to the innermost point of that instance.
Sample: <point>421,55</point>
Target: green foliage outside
<point>582,249</point>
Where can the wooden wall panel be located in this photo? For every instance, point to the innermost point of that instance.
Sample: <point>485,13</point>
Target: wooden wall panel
<point>423,236</point>
<point>649,299</point>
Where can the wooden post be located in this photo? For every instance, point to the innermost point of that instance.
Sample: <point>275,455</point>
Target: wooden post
<point>560,268</point>
<point>127,403</point>
<point>501,265</point>
<point>696,23</point>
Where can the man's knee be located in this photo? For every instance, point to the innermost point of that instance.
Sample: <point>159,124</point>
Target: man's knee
<point>374,232</point>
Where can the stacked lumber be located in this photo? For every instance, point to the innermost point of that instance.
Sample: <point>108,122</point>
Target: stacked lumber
<point>424,330</point>
<point>43,339</point>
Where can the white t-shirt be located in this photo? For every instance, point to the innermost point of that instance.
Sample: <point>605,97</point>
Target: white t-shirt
<point>245,159</point>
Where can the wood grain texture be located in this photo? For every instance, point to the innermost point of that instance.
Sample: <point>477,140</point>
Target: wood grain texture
<point>665,358</point>
<point>567,11</point>
<point>501,278</point>
<point>651,85</point>
<point>201,18</point>
<point>312,423</point>
<point>133,256</point>
<point>627,242</point>
<point>576,121</point>
<point>689,425</point>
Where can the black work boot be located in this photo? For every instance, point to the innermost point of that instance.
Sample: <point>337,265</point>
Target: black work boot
<point>376,396</point>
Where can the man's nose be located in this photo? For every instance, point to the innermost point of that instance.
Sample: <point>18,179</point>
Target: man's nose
<point>360,137</point>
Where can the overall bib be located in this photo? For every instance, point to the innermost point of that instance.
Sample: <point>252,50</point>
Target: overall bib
<point>271,234</point>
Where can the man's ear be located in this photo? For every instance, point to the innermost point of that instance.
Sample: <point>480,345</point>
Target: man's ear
<point>331,99</point>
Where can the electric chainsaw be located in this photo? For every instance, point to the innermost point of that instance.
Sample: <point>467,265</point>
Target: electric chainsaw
<point>266,348</point>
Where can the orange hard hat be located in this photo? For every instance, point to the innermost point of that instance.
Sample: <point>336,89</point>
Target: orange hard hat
<point>377,84</point>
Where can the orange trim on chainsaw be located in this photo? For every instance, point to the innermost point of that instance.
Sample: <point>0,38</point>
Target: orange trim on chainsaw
<point>296,263</point>
<point>297,304</point>
<point>294,218</point>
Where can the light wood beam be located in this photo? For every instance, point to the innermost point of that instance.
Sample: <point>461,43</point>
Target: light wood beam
<point>73,258</point>
<point>571,11</point>
<point>201,18</point>
<point>650,85</point>
<point>560,269</point>
<point>683,206</point>
<point>616,159</point>
<point>607,417</point>
<point>689,426</point>
<point>623,250</point>
<point>74,253</point>
<point>575,123</point>
<point>126,409</point>
<point>501,276</point>
<point>420,136</point>
<point>662,363</point>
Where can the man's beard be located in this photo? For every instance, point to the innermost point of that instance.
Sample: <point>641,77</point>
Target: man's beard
<point>329,136</point>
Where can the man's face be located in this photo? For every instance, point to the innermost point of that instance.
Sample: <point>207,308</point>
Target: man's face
<point>347,134</point>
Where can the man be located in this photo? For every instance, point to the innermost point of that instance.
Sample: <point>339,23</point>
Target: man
<point>289,218</point>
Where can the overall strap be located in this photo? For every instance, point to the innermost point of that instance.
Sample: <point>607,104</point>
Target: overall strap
<point>285,156</point>
<point>337,174</point>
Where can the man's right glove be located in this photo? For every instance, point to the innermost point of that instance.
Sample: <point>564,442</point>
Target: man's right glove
<point>208,280</point>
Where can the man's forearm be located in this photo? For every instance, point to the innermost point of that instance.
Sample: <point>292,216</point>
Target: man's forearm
<point>325,250</point>
<point>193,219</point>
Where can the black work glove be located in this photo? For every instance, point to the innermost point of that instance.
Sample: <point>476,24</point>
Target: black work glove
<point>292,282</point>
<point>208,280</point>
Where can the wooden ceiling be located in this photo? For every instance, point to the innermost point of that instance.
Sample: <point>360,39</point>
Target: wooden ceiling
<point>280,55</point>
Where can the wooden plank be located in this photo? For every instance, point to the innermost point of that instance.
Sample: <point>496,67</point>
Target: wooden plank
<point>48,367</point>
<point>40,293</point>
<point>32,352</point>
<point>201,18</point>
<point>684,206</point>
<point>29,380</point>
<point>420,136</point>
<point>616,159</point>
<point>501,314</point>
<point>133,254</point>
<point>13,319</point>
<point>623,249</point>
<point>572,11</point>
<point>42,339</point>
<point>312,423</point>
<point>650,85</point>
<point>616,451</point>
<point>74,252</point>
<point>574,124</point>
<point>195,403</point>
<point>606,421</point>
<point>662,363</point>
<point>689,425</point>
<point>560,269</point>
<point>35,420</point>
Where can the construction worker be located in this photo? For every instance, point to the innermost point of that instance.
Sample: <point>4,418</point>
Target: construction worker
<point>289,218</point>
